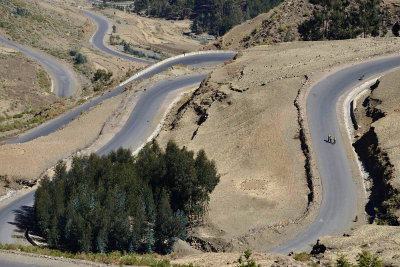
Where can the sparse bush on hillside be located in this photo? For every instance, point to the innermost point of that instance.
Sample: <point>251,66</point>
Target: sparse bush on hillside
<point>102,76</point>
<point>342,261</point>
<point>120,202</point>
<point>366,259</point>
<point>78,57</point>
<point>303,256</point>
<point>101,79</point>
<point>247,261</point>
<point>21,12</point>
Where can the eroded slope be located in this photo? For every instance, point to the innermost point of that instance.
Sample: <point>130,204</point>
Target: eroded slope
<point>244,117</point>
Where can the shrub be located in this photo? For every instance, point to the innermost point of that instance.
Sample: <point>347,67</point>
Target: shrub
<point>365,259</point>
<point>101,75</point>
<point>21,12</point>
<point>80,59</point>
<point>282,28</point>
<point>342,261</point>
<point>248,262</point>
<point>303,256</point>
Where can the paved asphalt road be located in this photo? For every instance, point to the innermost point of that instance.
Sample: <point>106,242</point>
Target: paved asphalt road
<point>137,129</point>
<point>64,82</point>
<point>339,193</point>
<point>98,38</point>
<point>152,98</point>
<point>57,123</point>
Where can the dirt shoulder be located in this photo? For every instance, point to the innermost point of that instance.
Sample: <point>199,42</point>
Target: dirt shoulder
<point>245,119</point>
<point>16,257</point>
<point>231,259</point>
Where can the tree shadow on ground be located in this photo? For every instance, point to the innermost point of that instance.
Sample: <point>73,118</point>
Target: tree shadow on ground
<point>25,222</point>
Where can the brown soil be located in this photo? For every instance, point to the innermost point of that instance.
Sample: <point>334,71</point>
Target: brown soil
<point>252,133</point>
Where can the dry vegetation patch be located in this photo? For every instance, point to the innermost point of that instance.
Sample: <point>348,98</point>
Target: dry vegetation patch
<point>51,27</point>
<point>379,240</point>
<point>24,89</point>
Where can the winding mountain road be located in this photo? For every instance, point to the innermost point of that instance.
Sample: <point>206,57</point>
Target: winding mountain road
<point>136,130</point>
<point>339,192</point>
<point>98,38</point>
<point>63,81</point>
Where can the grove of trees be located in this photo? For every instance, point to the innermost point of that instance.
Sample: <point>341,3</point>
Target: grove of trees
<point>119,202</point>
<point>338,19</point>
<point>213,16</point>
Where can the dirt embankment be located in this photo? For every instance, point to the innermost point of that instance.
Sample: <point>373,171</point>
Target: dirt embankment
<point>244,117</point>
<point>378,146</point>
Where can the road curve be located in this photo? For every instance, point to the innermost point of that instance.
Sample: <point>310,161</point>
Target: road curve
<point>339,192</point>
<point>138,128</point>
<point>98,38</point>
<point>63,79</point>
<point>191,60</point>
<point>136,131</point>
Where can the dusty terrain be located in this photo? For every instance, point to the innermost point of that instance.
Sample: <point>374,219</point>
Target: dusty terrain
<point>379,240</point>
<point>245,119</point>
<point>25,86</point>
<point>231,259</point>
<point>160,34</point>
